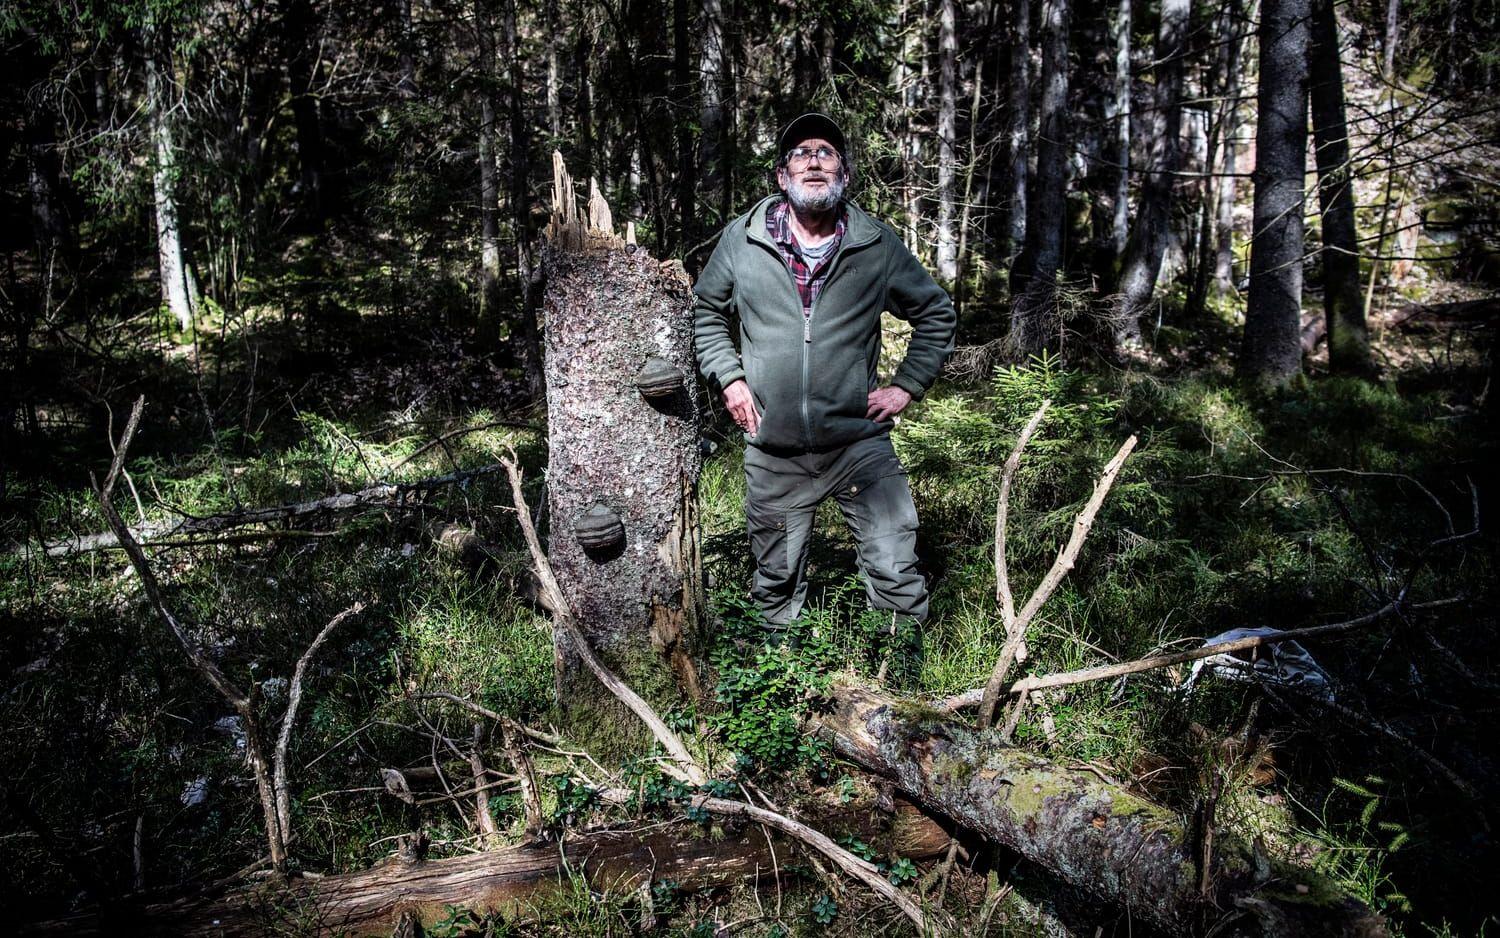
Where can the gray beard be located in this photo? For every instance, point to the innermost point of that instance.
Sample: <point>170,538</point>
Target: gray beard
<point>804,202</point>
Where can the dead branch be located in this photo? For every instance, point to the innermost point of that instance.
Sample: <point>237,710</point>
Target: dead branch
<point>520,760</point>
<point>686,765</point>
<point>1016,627</point>
<point>271,775</point>
<point>488,832</point>
<point>397,495</point>
<point>293,701</point>
<point>1002,514</point>
<point>240,701</point>
<point>973,696</point>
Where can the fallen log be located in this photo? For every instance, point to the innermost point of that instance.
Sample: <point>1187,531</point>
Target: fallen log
<point>386,495</point>
<point>508,881</point>
<point>1093,835</point>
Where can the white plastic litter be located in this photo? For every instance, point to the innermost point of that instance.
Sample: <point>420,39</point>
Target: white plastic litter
<point>1283,664</point>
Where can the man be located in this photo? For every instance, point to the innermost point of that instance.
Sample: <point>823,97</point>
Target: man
<point>808,274</point>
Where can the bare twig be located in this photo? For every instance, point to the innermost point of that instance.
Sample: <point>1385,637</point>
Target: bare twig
<point>861,870</point>
<point>1016,628</point>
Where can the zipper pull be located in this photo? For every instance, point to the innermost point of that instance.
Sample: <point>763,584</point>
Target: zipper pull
<point>807,329</point>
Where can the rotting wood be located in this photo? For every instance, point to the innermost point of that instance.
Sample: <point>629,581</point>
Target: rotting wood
<point>397,495</point>
<point>508,881</point>
<point>1094,835</point>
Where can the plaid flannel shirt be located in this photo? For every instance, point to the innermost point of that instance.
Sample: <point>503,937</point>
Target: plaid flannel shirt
<point>809,279</point>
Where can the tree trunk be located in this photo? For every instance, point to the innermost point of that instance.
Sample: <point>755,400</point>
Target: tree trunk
<point>489,183</point>
<point>713,69</point>
<point>1119,110</point>
<point>1094,835</point>
<point>618,329</point>
<point>526,338</point>
<point>508,880</point>
<point>162,102</point>
<point>682,81</point>
<point>947,131</point>
<point>1229,160</point>
<point>1018,133</point>
<point>1035,323</point>
<point>1141,264</point>
<point>1271,354</point>
<point>1222,83</point>
<point>1343,305</point>
<point>299,30</point>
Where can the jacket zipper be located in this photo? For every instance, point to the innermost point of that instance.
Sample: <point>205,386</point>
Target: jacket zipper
<point>807,326</point>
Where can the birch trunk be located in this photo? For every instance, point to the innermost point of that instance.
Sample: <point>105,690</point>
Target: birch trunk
<point>162,101</point>
<point>947,130</point>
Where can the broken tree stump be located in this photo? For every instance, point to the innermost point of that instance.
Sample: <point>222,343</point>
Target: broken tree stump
<point>623,463</point>
<point>1093,835</point>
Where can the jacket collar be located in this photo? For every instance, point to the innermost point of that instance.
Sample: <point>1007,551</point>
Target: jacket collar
<point>859,230</point>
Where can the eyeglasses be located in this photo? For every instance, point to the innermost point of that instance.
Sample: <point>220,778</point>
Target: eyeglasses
<point>799,157</point>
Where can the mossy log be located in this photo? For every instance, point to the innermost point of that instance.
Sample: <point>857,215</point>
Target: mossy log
<point>623,463</point>
<point>1092,834</point>
<point>511,881</point>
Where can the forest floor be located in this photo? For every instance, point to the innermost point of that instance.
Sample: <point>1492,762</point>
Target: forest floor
<point>124,773</point>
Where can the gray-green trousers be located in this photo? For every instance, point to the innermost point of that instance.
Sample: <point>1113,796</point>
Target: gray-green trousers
<point>782,495</point>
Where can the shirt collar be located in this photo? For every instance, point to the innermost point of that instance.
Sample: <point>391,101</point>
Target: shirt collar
<point>779,225</point>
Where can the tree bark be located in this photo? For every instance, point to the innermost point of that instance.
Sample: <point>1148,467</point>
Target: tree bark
<point>162,102</point>
<point>1271,354</point>
<point>1141,264</point>
<point>1018,132</point>
<point>526,337</point>
<point>1229,160</point>
<point>489,183</point>
<point>947,131</point>
<point>1035,323</point>
<point>612,310</point>
<point>508,880</point>
<point>1092,834</point>
<point>1119,110</point>
<point>1343,304</point>
<point>713,72</point>
<point>299,26</point>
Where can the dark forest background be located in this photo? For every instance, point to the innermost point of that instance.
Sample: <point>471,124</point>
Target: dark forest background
<point>1264,236</point>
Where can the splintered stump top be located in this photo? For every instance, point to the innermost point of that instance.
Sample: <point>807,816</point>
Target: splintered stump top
<point>569,229</point>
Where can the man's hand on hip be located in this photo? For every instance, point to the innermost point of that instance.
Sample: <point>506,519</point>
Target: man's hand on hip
<point>887,402</point>
<point>741,406</point>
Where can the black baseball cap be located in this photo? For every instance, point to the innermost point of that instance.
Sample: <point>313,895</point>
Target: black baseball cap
<point>810,126</point>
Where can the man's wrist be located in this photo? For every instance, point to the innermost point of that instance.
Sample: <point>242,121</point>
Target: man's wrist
<point>909,385</point>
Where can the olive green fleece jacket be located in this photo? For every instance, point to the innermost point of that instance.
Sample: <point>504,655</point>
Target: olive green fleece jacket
<point>811,378</point>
